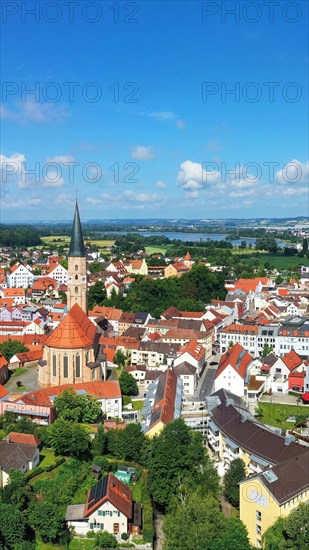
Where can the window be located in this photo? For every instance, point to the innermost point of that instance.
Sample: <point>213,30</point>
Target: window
<point>94,374</point>
<point>76,290</point>
<point>258,529</point>
<point>258,515</point>
<point>65,366</point>
<point>101,513</point>
<point>54,365</point>
<point>77,370</point>
<point>76,277</point>
<point>76,268</point>
<point>101,526</point>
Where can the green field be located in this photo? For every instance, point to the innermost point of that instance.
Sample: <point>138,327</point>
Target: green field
<point>157,249</point>
<point>278,261</point>
<point>276,415</point>
<point>64,240</point>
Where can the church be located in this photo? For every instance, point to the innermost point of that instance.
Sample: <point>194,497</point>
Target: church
<point>72,353</point>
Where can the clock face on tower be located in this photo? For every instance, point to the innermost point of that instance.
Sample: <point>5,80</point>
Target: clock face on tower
<point>70,279</point>
<point>83,279</point>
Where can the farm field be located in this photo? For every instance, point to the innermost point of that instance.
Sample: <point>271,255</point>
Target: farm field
<point>64,240</point>
<point>157,249</point>
<point>278,261</point>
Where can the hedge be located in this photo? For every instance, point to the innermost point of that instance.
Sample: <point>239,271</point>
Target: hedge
<point>41,469</point>
<point>148,530</point>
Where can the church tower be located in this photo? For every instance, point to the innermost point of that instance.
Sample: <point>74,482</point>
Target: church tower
<point>77,267</point>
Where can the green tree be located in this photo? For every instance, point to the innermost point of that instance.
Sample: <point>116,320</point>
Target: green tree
<point>78,408</point>
<point>12,526</point>
<point>128,384</point>
<point>305,247</point>
<point>17,491</point>
<point>104,539</point>
<point>68,438</point>
<point>133,442</point>
<point>120,358</point>
<point>176,459</point>
<point>234,535</point>
<point>11,347</point>
<point>291,532</point>
<point>99,443</point>
<point>267,349</point>
<point>47,520</point>
<point>193,523</point>
<point>96,294</point>
<point>232,477</point>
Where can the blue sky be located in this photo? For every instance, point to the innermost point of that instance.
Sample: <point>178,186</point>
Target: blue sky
<point>131,109</point>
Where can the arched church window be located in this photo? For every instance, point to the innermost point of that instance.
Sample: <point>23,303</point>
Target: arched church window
<point>54,365</point>
<point>65,366</point>
<point>76,290</point>
<point>77,370</point>
<point>76,268</point>
<point>76,277</point>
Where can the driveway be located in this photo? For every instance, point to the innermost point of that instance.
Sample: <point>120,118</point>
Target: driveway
<point>206,381</point>
<point>280,398</point>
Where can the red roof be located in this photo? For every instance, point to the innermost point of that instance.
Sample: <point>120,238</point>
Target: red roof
<point>193,348</point>
<point>28,356</point>
<point>110,490</point>
<point>74,331</point>
<point>241,329</point>
<point>110,354</point>
<point>3,391</point>
<point>3,361</point>
<point>23,439</point>
<point>238,358</point>
<point>102,390</point>
<point>292,360</point>
<point>188,256</point>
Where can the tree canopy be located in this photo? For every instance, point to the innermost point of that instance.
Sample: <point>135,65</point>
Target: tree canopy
<point>11,347</point>
<point>68,438</point>
<point>78,408</point>
<point>232,477</point>
<point>176,460</point>
<point>290,532</point>
<point>128,384</point>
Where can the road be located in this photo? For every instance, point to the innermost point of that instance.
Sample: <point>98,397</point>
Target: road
<point>207,379</point>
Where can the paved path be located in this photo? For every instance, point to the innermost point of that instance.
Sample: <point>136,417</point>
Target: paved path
<point>280,398</point>
<point>29,380</point>
<point>158,527</point>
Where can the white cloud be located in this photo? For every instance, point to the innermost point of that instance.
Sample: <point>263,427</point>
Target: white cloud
<point>192,176</point>
<point>143,153</point>
<point>13,170</point>
<point>130,199</point>
<point>293,172</point>
<point>161,184</point>
<point>21,203</point>
<point>93,200</point>
<point>53,178</point>
<point>31,111</point>
<point>244,193</point>
<point>180,124</point>
<point>163,115</point>
<point>292,191</point>
<point>61,159</point>
<point>64,199</point>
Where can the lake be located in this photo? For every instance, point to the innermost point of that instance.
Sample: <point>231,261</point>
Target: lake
<point>192,236</point>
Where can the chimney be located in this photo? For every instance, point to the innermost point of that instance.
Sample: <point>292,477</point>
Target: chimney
<point>288,439</point>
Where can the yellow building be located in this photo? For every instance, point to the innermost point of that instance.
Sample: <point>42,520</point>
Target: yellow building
<point>273,493</point>
<point>176,270</point>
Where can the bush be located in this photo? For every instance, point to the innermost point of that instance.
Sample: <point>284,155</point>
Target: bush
<point>103,539</point>
<point>124,536</point>
<point>102,461</point>
<point>90,534</point>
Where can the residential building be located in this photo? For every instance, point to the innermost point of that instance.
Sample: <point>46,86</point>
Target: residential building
<point>234,433</point>
<point>20,276</point>
<point>16,456</point>
<point>109,507</point>
<point>272,494</point>
<point>162,404</point>
<point>233,370</point>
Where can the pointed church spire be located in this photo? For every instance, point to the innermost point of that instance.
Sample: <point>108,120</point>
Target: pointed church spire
<point>77,247</point>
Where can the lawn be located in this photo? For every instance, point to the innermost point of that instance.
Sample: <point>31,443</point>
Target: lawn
<point>18,371</point>
<point>80,544</point>
<point>278,261</point>
<point>47,546</point>
<point>47,458</point>
<point>276,415</point>
<point>157,249</point>
<point>137,405</point>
